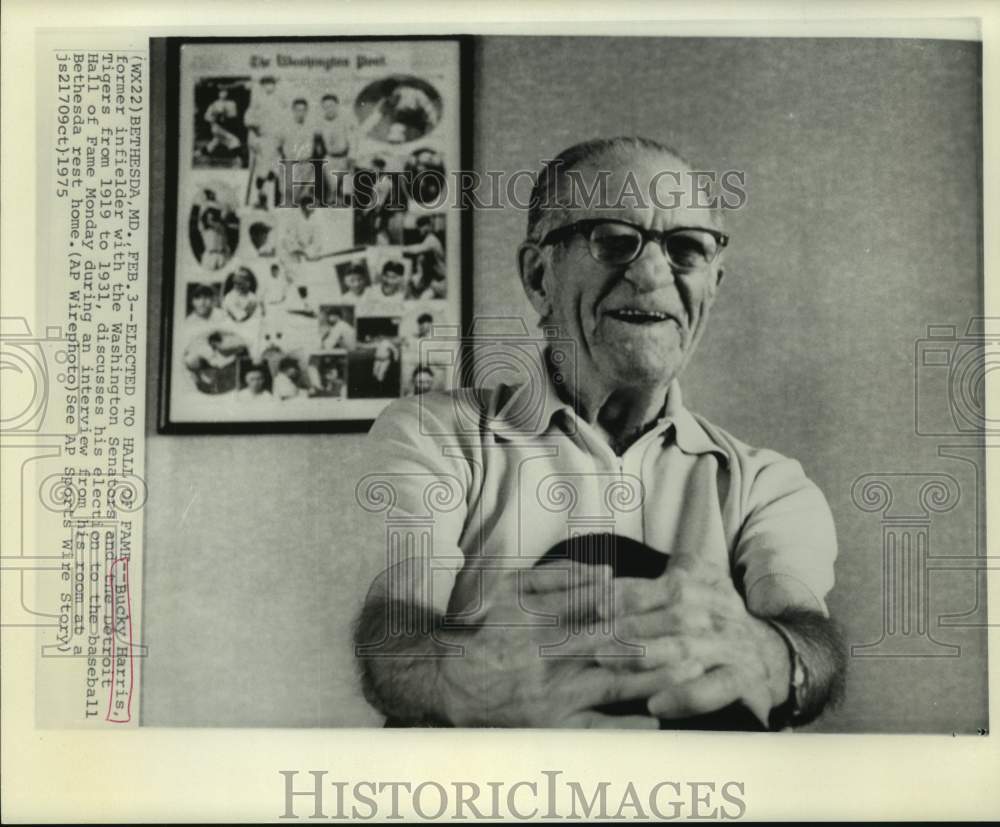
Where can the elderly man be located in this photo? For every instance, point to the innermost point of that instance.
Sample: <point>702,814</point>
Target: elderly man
<point>469,630</point>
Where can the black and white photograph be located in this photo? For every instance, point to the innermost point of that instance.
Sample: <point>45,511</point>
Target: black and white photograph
<point>422,415</point>
<point>686,418</point>
<point>398,109</point>
<point>328,375</point>
<point>311,172</point>
<point>353,277</point>
<point>220,132</point>
<point>214,227</point>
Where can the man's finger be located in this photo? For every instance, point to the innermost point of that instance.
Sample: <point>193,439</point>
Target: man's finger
<point>633,595</point>
<point>570,590</point>
<point>589,644</point>
<point>561,576</point>
<point>698,567</point>
<point>713,691</point>
<point>675,671</point>
<point>597,720</point>
<point>583,603</point>
<point>678,652</point>
<point>671,620</point>
<point>597,686</point>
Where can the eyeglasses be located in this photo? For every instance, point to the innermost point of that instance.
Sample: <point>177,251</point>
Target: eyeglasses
<point>618,242</point>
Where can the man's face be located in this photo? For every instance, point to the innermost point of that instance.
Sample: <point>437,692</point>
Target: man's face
<point>422,382</point>
<point>354,282</point>
<point>255,381</point>
<point>424,329</point>
<point>268,87</point>
<point>329,109</point>
<point>439,288</point>
<point>299,111</point>
<point>332,376</point>
<point>634,325</point>
<point>392,281</point>
<point>223,93</point>
<point>202,305</point>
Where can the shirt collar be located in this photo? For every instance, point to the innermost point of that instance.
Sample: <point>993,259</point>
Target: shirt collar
<point>528,409</point>
<point>689,434</point>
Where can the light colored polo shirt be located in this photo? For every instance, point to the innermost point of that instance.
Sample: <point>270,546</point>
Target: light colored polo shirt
<point>470,484</point>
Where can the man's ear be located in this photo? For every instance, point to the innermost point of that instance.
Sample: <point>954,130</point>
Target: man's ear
<point>531,267</point>
<point>720,273</point>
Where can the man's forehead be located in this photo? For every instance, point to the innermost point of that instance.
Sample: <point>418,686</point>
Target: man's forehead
<point>647,187</point>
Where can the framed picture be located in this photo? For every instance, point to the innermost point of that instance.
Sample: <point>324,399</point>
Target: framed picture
<point>312,241</point>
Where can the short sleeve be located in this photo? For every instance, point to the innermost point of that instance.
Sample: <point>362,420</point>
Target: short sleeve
<point>787,545</point>
<point>412,497</point>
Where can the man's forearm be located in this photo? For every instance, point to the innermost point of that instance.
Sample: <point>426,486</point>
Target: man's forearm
<point>821,648</point>
<point>399,651</point>
<point>416,249</point>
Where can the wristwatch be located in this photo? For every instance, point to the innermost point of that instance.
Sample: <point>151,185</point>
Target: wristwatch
<point>791,712</point>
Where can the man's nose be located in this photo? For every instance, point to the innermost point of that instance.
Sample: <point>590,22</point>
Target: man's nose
<point>651,270</point>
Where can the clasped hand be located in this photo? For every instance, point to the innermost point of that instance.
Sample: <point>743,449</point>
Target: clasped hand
<point>551,644</point>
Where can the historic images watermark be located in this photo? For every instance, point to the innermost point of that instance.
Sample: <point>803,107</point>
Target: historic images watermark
<point>493,189</point>
<point>312,794</point>
<point>950,408</point>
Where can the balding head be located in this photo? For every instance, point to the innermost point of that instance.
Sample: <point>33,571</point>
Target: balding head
<point>596,173</point>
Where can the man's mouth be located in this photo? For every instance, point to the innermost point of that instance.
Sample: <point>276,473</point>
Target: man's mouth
<point>635,316</point>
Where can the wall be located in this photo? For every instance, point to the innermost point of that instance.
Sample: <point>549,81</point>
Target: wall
<point>862,228</point>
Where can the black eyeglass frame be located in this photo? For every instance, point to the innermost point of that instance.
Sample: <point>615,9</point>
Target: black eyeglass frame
<point>586,226</point>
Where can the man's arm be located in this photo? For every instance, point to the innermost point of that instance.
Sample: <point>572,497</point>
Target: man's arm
<point>495,663</point>
<point>694,613</point>
<point>402,682</point>
<point>493,669</point>
<point>349,338</point>
<point>423,246</point>
<point>816,641</point>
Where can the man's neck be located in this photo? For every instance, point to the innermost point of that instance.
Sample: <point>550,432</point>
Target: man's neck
<point>622,415</point>
<point>623,420</point>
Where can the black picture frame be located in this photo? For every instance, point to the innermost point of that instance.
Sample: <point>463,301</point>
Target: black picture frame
<point>167,420</point>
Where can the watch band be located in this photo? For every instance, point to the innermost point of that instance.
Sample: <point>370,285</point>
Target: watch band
<point>791,711</point>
